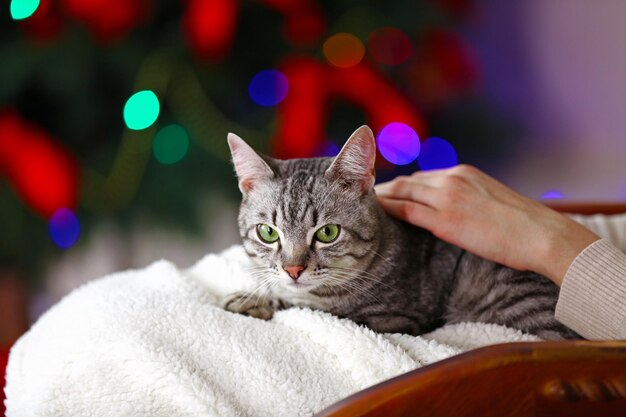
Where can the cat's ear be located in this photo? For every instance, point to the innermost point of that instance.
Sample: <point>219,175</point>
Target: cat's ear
<point>249,165</point>
<point>354,165</point>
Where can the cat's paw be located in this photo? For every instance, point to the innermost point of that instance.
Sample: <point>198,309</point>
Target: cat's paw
<point>250,305</point>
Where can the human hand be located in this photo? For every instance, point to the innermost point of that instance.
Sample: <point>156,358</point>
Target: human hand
<point>469,209</point>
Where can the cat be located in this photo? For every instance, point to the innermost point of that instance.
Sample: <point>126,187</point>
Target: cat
<point>318,238</point>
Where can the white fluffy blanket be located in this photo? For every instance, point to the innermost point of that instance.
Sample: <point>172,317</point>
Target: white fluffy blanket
<point>153,342</point>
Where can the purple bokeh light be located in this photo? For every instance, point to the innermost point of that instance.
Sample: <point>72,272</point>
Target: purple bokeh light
<point>437,153</point>
<point>398,143</point>
<point>64,228</point>
<point>552,195</point>
<point>268,88</point>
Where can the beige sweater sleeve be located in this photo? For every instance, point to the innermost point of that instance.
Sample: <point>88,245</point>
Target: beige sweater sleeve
<point>592,300</point>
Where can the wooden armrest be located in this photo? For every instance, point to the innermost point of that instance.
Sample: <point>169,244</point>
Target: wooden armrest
<point>568,378</point>
<point>588,208</point>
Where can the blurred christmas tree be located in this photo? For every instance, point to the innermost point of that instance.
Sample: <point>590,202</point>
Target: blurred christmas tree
<point>293,77</point>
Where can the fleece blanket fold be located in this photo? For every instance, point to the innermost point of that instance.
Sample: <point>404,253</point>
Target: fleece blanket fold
<point>154,342</point>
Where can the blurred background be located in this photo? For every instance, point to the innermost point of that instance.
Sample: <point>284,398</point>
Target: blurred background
<point>114,114</point>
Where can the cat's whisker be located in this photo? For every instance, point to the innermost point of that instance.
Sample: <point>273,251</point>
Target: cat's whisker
<point>260,286</point>
<point>357,291</point>
<point>344,268</point>
<point>337,283</point>
<point>256,268</point>
<point>267,285</point>
<point>374,279</point>
<point>272,283</point>
<point>390,263</point>
<point>347,282</point>
<point>352,277</point>
<point>251,294</point>
<point>361,271</point>
<point>365,274</point>
<point>257,274</point>
<point>379,281</point>
<point>263,269</point>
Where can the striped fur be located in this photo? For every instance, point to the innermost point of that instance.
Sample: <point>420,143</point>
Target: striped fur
<point>383,273</point>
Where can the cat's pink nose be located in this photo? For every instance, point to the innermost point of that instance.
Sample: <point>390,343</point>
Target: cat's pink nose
<point>294,271</point>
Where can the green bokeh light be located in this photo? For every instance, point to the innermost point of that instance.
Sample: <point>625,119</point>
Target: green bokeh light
<point>170,144</point>
<point>21,9</point>
<point>141,110</point>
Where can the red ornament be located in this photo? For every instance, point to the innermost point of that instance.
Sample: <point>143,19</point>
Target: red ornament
<point>304,22</point>
<point>390,46</point>
<point>4,359</point>
<point>312,85</point>
<point>453,58</point>
<point>301,115</point>
<point>43,173</point>
<point>210,26</point>
<point>45,24</point>
<point>108,20</point>
<point>444,68</point>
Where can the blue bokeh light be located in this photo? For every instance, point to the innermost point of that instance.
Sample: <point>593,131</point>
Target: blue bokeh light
<point>398,143</point>
<point>329,149</point>
<point>64,228</point>
<point>268,88</point>
<point>552,195</point>
<point>437,153</point>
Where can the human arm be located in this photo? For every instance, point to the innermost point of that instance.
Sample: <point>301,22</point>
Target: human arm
<point>472,210</point>
<point>592,300</point>
<point>466,207</point>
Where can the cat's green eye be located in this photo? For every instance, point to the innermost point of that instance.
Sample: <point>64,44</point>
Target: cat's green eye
<point>267,233</point>
<point>327,233</point>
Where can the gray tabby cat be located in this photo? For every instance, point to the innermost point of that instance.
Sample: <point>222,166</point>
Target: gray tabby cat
<point>320,239</point>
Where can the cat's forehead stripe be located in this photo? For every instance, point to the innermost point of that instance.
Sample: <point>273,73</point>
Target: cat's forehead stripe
<point>312,166</point>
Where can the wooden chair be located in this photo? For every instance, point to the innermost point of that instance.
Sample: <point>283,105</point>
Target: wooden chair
<point>567,378</point>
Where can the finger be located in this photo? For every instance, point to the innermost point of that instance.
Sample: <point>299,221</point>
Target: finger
<point>411,212</point>
<point>431,177</point>
<point>436,174</point>
<point>407,188</point>
<point>435,177</point>
<point>385,188</point>
<point>431,173</point>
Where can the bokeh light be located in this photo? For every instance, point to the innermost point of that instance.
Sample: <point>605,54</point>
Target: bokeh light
<point>22,9</point>
<point>437,153</point>
<point>171,144</point>
<point>141,110</point>
<point>64,228</point>
<point>389,46</point>
<point>268,88</point>
<point>398,143</point>
<point>329,149</point>
<point>344,50</point>
<point>552,195</point>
